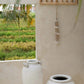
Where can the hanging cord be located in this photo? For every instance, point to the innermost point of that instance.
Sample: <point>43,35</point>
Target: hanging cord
<point>57,27</point>
<point>56,12</point>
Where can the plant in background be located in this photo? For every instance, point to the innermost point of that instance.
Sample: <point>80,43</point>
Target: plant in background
<point>29,18</point>
<point>17,41</point>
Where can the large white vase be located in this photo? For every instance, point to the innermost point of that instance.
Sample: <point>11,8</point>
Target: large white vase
<point>32,72</point>
<point>60,79</point>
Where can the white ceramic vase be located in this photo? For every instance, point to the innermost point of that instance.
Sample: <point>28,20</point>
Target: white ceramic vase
<point>60,79</point>
<point>32,72</point>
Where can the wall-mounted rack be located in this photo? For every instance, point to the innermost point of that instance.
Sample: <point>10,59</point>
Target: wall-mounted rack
<point>58,2</point>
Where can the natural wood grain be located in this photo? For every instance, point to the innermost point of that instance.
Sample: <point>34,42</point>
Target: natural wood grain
<point>57,30</point>
<point>51,3</point>
<point>66,0</point>
<point>76,1</point>
<point>56,23</point>
<point>40,0</point>
<point>71,0</point>
<point>51,0</point>
<point>57,37</point>
<point>46,0</point>
<point>56,0</point>
<point>59,3</point>
<point>62,1</point>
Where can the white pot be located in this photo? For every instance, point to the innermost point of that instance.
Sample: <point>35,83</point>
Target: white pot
<point>32,72</point>
<point>60,79</point>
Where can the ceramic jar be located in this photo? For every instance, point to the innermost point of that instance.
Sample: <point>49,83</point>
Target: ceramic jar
<point>60,79</point>
<point>32,72</point>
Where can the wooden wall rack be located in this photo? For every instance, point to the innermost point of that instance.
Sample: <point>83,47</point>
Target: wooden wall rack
<point>58,2</point>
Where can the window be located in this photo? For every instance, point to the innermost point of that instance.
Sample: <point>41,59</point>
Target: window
<point>17,31</point>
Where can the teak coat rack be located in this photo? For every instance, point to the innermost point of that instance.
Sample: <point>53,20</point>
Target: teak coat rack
<point>58,2</point>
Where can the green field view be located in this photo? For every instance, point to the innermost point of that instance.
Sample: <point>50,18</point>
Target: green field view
<point>17,41</point>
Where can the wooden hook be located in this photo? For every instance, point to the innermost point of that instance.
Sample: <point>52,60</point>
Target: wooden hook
<point>40,0</point>
<point>71,0</point>
<point>51,0</point>
<point>66,0</point>
<point>56,0</point>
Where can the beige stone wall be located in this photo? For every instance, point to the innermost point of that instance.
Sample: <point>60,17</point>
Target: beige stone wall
<point>11,72</point>
<point>68,57</point>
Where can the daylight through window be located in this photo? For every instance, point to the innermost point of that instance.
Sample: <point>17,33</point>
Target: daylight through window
<point>17,31</point>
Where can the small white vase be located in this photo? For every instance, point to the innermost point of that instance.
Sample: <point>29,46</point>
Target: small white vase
<point>60,79</point>
<point>32,72</point>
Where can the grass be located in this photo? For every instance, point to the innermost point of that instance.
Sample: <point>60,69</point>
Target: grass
<point>15,28</point>
<point>16,54</point>
<point>18,39</point>
<point>16,42</point>
<point>9,33</point>
<point>25,46</point>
